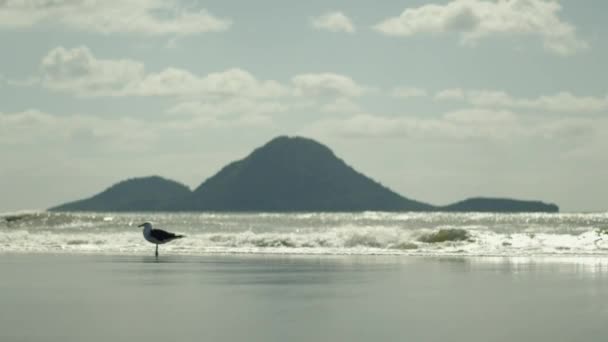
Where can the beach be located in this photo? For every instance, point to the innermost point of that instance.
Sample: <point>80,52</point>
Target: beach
<point>77,297</point>
<point>303,171</point>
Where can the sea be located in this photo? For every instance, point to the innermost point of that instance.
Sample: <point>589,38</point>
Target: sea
<point>367,233</point>
<point>370,276</point>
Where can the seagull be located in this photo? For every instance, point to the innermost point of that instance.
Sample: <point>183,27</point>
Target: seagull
<point>157,236</point>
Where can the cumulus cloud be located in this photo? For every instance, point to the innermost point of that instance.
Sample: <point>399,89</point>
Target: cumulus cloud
<point>78,71</point>
<point>326,85</point>
<point>333,22</point>
<point>233,82</point>
<point>231,92</point>
<point>559,102</point>
<point>147,17</point>
<point>475,20</point>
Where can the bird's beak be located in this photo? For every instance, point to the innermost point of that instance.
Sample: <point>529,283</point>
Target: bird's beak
<point>141,225</point>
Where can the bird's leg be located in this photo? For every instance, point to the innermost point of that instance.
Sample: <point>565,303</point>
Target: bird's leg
<point>156,250</point>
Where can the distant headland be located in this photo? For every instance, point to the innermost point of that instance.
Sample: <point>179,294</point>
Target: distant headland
<point>288,174</point>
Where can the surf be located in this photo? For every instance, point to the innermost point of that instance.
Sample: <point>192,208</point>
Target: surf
<point>367,233</point>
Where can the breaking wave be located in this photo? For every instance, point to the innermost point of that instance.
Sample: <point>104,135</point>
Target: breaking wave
<point>425,234</point>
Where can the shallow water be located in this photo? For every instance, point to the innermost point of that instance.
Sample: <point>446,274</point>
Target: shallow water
<point>469,234</point>
<point>66,298</point>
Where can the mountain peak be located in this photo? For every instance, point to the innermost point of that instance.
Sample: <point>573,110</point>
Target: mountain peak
<point>295,174</point>
<point>286,140</point>
<point>286,146</point>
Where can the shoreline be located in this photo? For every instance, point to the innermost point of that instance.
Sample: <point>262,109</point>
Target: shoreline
<point>490,259</point>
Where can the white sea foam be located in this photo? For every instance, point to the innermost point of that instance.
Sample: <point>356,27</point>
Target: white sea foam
<point>315,233</point>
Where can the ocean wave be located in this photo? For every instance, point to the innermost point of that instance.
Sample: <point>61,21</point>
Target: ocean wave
<point>471,234</point>
<point>341,240</point>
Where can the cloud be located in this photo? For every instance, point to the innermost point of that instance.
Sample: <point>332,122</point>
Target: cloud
<point>333,22</point>
<point>407,92</point>
<point>559,102</point>
<point>238,106</point>
<point>233,82</point>
<point>461,125</point>
<point>117,134</point>
<point>124,134</point>
<point>146,17</point>
<point>475,20</point>
<point>79,72</point>
<point>232,92</point>
<point>326,85</point>
<point>473,125</point>
<point>572,129</point>
<point>481,116</point>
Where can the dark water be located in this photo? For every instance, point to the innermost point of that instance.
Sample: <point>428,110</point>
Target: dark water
<point>301,298</point>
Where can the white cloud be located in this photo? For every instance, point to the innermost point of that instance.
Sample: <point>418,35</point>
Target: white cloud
<point>168,82</point>
<point>573,129</point>
<point>560,102</point>
<point>498,126</point>
<point>13,126</point>
<point>78,71</point>
<point>326,85</point>
<point>481,116</point>
<point>452,126</point>
<point>147,17</point>
<point>233,92</point>
<point>122,134</point>
<point>333,22</point>
<point>233,82</point>
<point>407,92</point>
<point>37,127</point>
<point>478,19</point>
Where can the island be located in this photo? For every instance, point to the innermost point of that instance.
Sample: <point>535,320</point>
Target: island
<point>138,194</point>
<point>287,174</point>
<point>482,204</point>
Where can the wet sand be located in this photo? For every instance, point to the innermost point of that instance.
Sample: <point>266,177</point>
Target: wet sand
<point>301,298</point>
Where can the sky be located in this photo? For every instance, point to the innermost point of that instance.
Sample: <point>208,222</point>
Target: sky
<point>438,100</point>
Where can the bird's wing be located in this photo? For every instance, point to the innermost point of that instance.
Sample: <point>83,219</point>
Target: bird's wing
<point>162,235</point>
